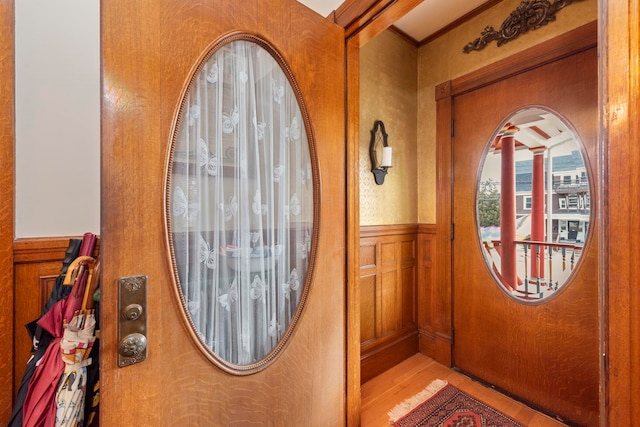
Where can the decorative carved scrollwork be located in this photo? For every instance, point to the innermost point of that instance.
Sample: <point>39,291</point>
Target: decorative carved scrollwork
<point>134,283</point>
<point>529,15</point>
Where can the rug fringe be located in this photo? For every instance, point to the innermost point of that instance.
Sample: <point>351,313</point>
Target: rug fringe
<point>405,407</point>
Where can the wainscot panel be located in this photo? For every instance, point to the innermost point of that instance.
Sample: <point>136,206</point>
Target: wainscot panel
<point>388,297</point>
<point>433,342</point>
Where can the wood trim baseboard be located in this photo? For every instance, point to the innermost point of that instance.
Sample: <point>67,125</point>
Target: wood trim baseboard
<point>387,230</point>
<point>427,229</point>
<point>40,249</point>
<point>387,356</point>
<point>436,345</point>
<point>43,249</point>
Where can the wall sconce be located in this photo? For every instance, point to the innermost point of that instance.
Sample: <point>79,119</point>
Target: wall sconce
<point>379,146</point>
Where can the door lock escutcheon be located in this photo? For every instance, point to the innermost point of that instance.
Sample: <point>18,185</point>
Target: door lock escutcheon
<point>132,321</point>
<point>132,312</point>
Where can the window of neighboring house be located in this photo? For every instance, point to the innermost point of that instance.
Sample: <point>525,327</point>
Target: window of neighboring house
<point>572,201</point>
<point>562,203</point>
<point>527,202</point>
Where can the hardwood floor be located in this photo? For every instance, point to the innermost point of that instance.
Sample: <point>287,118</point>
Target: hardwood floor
<point>383,392</point>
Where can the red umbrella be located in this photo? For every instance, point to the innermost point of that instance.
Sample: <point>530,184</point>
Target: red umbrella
<point>40,407</point>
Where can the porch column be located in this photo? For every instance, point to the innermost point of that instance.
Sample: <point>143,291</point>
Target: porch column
<point>508,210</point>
<point>537,213</point>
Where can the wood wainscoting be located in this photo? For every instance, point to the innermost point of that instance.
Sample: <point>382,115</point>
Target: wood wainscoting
<point>433,340</point>
<point>395,277</point>
<point>37,263</point>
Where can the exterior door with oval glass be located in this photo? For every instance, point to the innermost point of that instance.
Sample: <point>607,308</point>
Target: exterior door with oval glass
<point>525,263</point>
<point>222,134</point>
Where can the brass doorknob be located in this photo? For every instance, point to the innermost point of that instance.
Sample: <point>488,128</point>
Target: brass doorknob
<point>132,345</point>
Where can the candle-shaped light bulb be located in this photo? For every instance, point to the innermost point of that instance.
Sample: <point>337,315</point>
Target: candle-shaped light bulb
<point>386,157</point>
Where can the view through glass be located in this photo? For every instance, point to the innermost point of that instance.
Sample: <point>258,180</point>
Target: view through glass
<point>533,205</point>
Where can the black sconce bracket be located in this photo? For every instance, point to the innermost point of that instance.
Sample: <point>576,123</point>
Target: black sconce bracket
<point>378,135</point>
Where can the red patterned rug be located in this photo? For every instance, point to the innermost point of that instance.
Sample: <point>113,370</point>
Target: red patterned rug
<point>442,404</point>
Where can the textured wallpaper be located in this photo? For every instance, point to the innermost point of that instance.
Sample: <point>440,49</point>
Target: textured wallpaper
<point>443,60</point>
<point>388,92</point>
<point>397,86</point>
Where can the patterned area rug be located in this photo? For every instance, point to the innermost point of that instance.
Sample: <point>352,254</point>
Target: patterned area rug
<point>441,404</point>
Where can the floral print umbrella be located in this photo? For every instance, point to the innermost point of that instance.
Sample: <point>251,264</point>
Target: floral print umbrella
<point>77,342</point>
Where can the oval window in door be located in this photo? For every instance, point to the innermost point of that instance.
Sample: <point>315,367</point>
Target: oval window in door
<point>242,203</point>
<point>533,204</point>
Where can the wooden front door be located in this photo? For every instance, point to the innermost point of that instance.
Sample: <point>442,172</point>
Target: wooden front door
<point>148,52</point>
<point>546,352</point>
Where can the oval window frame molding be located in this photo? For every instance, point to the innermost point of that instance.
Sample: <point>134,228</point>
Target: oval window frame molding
<point>276,351</point>
<point>580,147</point>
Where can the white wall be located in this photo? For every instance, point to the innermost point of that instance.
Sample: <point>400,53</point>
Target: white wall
<point>57,95</point>
<point>58,115</point>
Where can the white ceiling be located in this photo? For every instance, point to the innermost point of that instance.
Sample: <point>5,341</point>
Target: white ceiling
<point>432,15</point>
<point>424,20</point>
<point>323,7</point>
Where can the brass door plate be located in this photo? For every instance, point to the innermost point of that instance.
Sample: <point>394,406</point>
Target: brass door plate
<point>132,320</point>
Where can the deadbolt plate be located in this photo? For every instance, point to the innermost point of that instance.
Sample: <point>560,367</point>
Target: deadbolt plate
<point>132,320</point>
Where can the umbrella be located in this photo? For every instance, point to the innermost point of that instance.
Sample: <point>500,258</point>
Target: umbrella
<point>40,338</point>
<point>77,342</point>
<point>76,345</point>
<point>39,408</point>
<point>92,398</point>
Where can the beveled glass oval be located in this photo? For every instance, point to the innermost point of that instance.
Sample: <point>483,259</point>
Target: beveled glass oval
<point>241,203</point>
<point>533,204</point>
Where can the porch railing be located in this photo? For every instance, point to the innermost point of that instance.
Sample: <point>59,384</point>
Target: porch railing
<point>534,280</point>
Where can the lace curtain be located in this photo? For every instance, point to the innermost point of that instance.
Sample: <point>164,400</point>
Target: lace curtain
<point>241,202</point>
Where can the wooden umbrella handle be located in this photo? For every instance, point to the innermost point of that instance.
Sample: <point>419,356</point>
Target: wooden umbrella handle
<point>91,286</point>
<point>74,268</point>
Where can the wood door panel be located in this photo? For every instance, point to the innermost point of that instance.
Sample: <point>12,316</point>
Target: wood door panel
<point>367,309</point>
<point>148,51</point>
<point>367,255</point>
<point>409,297</point>
<point>390,303</point>
<point>34,284</point>
<point>388,254</point>
<point>545,353</point>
